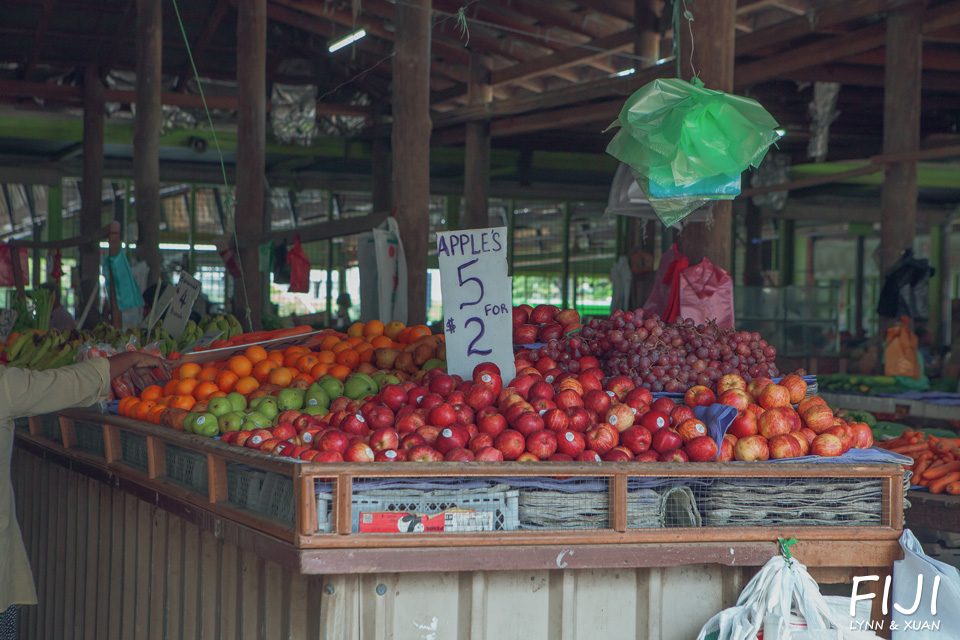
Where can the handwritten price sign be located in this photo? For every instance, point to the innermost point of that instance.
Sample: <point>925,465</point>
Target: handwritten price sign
<point>184,296</point>
<point>477,300</point>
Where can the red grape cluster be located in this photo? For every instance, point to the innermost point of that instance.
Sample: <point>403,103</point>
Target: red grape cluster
<point>662,356</point>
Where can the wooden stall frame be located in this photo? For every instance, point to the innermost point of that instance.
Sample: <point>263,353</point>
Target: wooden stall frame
<point>304,475</point>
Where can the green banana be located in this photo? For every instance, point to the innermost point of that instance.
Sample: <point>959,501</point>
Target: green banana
<point>29,350</point>
<point>48,360</point>
<point>234,324</point>
<point>49,343</point>
<point>17,347</point>
<point>67,357</point>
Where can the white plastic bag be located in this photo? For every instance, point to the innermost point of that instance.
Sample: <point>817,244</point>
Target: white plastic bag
<point>780,589</point>
<point>383,274</point>
<point>923,623</point>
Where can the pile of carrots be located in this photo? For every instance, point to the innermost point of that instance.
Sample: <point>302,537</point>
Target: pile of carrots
<point>259,336</point>
<point>936,461</point>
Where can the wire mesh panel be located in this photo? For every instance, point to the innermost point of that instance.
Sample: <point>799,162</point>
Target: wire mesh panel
<point>187,468</point>
<point>89,437</point>
<point>50,427</point>
<point>133,450</point>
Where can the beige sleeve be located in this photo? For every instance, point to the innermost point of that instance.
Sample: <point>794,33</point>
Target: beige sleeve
<point>28,393</point>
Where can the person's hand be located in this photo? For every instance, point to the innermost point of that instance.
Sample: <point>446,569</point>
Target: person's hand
<point>146,363</point>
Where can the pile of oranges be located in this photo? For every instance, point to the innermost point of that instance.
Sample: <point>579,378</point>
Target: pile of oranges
<point>338,355</point>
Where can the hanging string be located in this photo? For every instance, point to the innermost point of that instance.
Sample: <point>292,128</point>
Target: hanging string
<point>230,202</point>
<point>677,26</point>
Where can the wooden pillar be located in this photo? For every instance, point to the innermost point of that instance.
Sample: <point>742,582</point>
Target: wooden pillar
<point>753,255</point>
<point>411,133</point>
<point>858,289</point>
<point>381,167</point>
<point>901,132</point>
<point>146,133</point>
<point>946,305</point>
<point>476,164</point>
<point>91,198</point>
<point>251,151</point>
<point>565,252</point>
<point>714,31</point>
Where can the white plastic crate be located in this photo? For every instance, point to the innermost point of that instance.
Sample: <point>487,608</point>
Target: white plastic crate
<point>504,504</point>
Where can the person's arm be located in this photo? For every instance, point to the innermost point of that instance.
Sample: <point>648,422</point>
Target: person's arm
<point>140,362</point>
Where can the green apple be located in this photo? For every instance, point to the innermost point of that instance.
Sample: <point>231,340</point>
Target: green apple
<point>256,420</point>
<point>237,401</point>
<point>316,410</point>
<point>219,406</point>
<point>316,396</point>
<point>332,386</point>
<point>360,386</point>
<point>388,380</point>
<point>267,405</point>
<point>232,421</point>
<point>206,424</point>
<point>434,363</point>
<point>291,398</point>
<point>188,421</point>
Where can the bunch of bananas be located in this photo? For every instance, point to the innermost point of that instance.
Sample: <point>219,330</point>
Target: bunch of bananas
<point>227,323</point>
<point>44,350</point>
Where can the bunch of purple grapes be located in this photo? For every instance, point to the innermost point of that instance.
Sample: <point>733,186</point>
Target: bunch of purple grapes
<point>662,356</point>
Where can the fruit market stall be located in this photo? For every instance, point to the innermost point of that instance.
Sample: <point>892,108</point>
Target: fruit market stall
<point>566,491</point>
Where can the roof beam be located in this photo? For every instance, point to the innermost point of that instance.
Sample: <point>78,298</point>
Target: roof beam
<point>109,55</point>
<point>200,48</point>
<point>588,22</point>
<point>31,62</point>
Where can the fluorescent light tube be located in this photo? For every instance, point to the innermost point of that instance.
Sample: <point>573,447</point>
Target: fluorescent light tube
<point>350,39</point>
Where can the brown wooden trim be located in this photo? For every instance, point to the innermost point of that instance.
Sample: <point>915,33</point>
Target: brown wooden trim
<point>34,423</point>
<point>343,505</point>
<point>618,503</point>
<point>111,443</point>
<point>216,478</point>
<point>68,434</point>
<point>156,458</point>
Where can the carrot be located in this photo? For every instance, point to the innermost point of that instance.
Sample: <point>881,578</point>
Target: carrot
<point>941,470</point>
<point>953,488</point>
<point>938,485</point>
<point>910,448</point>
<point>920,467</point>
<point>923,483</point>
<point>947,444</point>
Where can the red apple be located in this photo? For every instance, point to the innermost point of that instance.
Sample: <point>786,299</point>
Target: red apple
<point>751,449</point>
<point>664,439</point>
<point>810,401</point>
<point>510,443</point>
<point>526,456</point>
<point>380,417</point>
<point>726,448</point>
<point>442,415</point>
<point>674,455</point>
<point>597,400</point>
<point>620,386</point>
<point>525,334</point>
<point>636,438</point>
<point>755,386</point>
<point>229,437</point>
<point>415,395</point>
<point>570,383</point>
<point>383,439</point>
<point>735,398</point>
<point>777,421</point>
<point>410,441</point>
<point>690,429</point>
<point>784,446</point>
<point>680,413</point>
<point>490,422</point>
<point>452,437</point>
<point>807,434</point>
<point>339,404</point>
<point>429,433</point>
<point>802,440</point>
<point>773,395</point>
<point>409,423</point>
<point>390,455</point>
<point>745,424</point>
<point>617,454</point>
<point>358,452</point>
<point>702,449</point>
<point>756,410</point>
<point>568,398</point>
<point>797,387</point>
<point>654,420</point>
<point>540,405</point>
<point>522,383</point>
<point>541,389</point>
<point>520,316</point>
<point>309,455</point>
<point>845,433</point>
<point>550,331</point>
<point>329,456</point>
<point>567,317</point>
<point>515,410</point>
<point>570,443</point>
<point>556,420</point>
<point>588,456</point>
<point>641,395</point>
<point>648,456</point>
<point>731,381</point>
<point>284,431</point>
<point>544,364</point>
<point>333,440</point>
<point>818,418</point>
<point>579,419</point>
<point>480,441</point>
<point>826,445</point>
<point>480,396</point>
<point>542,443</point>
<point>590,383</point>
<point>459,454</point>
<point>620,416</point>
<point>663,405</point>
<point>270,445</point>
<point>441,384</point>
<point>602,437</point>
<point>394,397</point>
<point>464,414</point>
<point>863,435</point>
<point>528,422</point>
<point>424,453</point>
<point>257,437</point>
<point>543,313</point>
<point>489,454</point>
<point>354,424</point>
<point>699,396</point>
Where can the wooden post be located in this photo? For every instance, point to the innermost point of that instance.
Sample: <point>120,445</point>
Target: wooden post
<point>511,208</point>
<point>565,252</point>
<point>146,133</point>
<point>901,132</point>
<point>411,134</point>
<point>251,149</point>
<point>114,248</point>
<point>714,31</point>
<point>858,289</point>
<point>381,175</point>
<point>91,199</point>
<point>753,255</point>
<point>476,164</point>
<point>946,309</point>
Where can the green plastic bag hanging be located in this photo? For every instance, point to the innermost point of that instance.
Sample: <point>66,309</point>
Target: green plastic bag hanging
<point>687,145</point>
<point>128,293</point>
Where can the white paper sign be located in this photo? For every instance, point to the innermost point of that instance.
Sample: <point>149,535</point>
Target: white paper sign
<point>184,296</point>
<point>7,318</point>
<point>477,300</point>
<point>156,312</point>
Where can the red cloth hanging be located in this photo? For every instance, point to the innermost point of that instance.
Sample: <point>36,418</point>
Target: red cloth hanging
<point>56,266</point>
<point>299,268</point>
<point>665,297</point>
<point>6,265</point>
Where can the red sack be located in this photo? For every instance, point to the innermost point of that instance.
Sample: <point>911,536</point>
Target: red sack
<point>664,299</point>
<point>6,266</point>
<point>706,293</point>
<point>299,268</point>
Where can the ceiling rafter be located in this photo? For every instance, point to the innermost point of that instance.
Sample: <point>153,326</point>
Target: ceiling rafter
<point>31,62</point>
<point>200,47</point>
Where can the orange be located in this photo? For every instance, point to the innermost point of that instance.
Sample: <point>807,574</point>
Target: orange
<point>320,370</point>
<point>393,329</point>
<point>418,332</point>
<point>366,355</point>
<point>183,401</point>
<point>373,328</point>
<point>143,409</point>
<point>339,371</point>
<point>276,357</point>
<point>246,385</point>
<point>170,388</point>
<point>226,380</point>
<point>154,414</point>
<point>204,389</point>
<point>123,407</point>
<point>290,360</point>
<point>294,349</point>
<point>354,341</point>
<point>355,330</point>
<point>209,374</point>
<point>309,379</point>
<point>152,392</point>
<point>404,336</point>
<point>306,362</point>
<point>240,365</point>
<point>164,400</point>
<point>187,385</point>
<point>381,342</point>
<point>343,345</point>
<point>329,342</point>
<point>281,376</point>
<point>189,370</point>
<point>216,394</point>
<point>327,356</point>
<point>348,358</point>
<point>255,353</point>
<point>263,369</point>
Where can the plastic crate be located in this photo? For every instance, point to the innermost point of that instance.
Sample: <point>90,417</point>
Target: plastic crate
<point>89,437</point>
<point>243,485</point>
<point>276,498</point>
<point>50,427</point>
<point>22,423</point>
<point>503,503</point>
<point>133,450</point>
<point>187,468</point>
